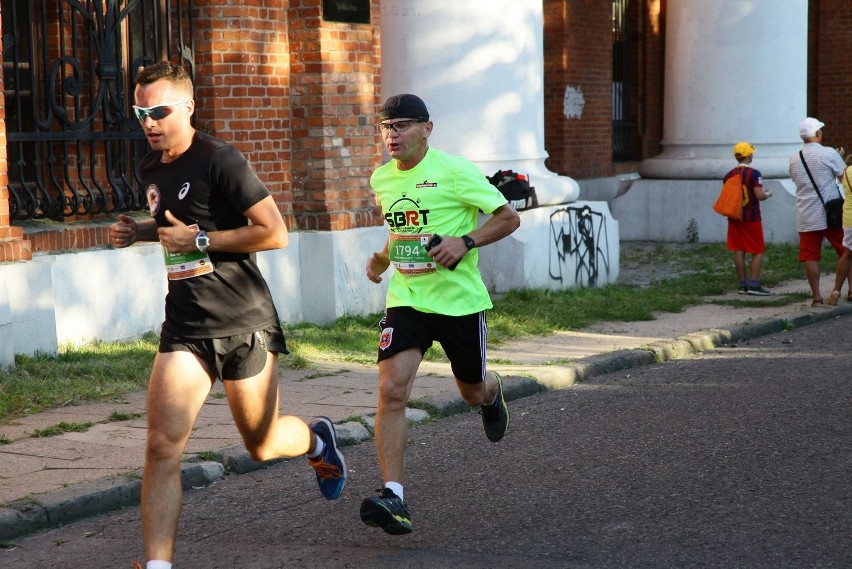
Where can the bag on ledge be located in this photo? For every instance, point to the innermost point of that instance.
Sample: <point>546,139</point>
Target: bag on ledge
<point>515,188</point>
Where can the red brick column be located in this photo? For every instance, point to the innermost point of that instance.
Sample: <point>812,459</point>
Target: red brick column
<point>334,96</point>
<point>242,86</point>
<point>13,247</point>
<point>297,95</point>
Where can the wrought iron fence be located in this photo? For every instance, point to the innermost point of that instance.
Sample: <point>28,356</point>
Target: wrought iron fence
<point>68,72</point>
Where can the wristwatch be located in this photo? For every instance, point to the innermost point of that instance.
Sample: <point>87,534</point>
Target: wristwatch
<point>202,242</point>
<point>468,240</point>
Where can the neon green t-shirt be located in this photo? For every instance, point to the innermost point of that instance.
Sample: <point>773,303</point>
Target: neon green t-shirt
<point>443,194</point>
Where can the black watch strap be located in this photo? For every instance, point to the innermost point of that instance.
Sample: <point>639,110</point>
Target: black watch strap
<point>468,240</point>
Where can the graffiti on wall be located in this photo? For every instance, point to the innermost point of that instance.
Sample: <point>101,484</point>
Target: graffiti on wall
<point>573,102</point>
<point>578,241</point>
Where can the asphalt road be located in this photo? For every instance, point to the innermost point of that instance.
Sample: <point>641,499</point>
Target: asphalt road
<point>737,458</point>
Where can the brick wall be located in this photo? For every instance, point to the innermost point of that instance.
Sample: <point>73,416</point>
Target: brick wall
<point>578,53</point>
<point>296,94</point>
<point>334,95</point>
<point>242,86</point>
<point>829,69</point>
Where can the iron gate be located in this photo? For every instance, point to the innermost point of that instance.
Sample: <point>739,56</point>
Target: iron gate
<point>68,72</point>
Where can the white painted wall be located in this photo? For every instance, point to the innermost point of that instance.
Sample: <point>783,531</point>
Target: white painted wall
<point>116,294</point>
<point>661,210</point>
<point>479,67</point>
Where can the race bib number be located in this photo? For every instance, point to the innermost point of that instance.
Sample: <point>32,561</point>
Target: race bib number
<point>187,265</point>
<point>408,255</point>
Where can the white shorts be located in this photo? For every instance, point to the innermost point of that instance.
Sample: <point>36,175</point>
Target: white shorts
<point>847,237</point>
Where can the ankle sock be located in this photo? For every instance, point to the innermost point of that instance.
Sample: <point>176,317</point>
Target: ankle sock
<point>156,564</point>
<point>396,487</point>
<point>318,450</point>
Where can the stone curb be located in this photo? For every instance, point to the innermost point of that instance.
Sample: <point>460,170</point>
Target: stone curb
<point>63,506</point>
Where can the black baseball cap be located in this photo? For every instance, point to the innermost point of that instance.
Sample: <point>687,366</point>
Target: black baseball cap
<point>405,106</point>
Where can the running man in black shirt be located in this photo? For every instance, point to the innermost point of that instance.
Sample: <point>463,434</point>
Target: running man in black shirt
<point>220,321</point>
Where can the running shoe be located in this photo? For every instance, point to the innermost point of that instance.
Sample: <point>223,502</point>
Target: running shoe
<point>330,466</point>
<point>758,290</point>
<point>387,511</point>
<point>743,289</point>
<point>495,417</point>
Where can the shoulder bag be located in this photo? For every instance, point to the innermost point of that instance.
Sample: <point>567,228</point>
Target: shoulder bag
<point>833,208</point>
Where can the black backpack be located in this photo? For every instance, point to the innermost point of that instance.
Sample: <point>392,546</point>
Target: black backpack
<point>515,188</point>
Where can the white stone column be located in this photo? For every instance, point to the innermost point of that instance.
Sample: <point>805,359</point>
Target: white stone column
<point>479,66</point>
<point>734,70</point>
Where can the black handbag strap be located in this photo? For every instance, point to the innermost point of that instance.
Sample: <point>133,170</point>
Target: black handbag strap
<point>808,170</point>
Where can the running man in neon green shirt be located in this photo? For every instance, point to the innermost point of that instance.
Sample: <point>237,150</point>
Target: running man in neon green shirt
<point>431,202</point>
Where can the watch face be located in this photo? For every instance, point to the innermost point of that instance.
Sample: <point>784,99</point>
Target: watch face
<point>202,241</point>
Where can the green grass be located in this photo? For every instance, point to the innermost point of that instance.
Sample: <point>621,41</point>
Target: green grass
<point>102,371</point>
<point>682,275</point>
<point>60,428</point>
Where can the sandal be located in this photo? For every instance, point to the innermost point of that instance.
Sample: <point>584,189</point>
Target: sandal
<point>835,296</point>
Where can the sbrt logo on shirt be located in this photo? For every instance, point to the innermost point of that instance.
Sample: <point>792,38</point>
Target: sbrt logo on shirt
<point>406,213</point>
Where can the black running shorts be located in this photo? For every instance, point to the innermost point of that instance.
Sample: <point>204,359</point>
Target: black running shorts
<point>233,357</point>
<point>462,337</point>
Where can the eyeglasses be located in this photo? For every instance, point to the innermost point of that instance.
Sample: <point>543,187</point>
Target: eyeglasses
<point>398,126</point>
<point>156,113</point>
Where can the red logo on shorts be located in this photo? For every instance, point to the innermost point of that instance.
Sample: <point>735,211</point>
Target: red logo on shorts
<point>386,338</point>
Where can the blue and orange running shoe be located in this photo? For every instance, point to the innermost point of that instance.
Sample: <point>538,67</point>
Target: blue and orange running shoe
<point>330,466</point>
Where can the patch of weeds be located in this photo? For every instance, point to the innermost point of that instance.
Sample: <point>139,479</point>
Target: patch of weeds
<point>7,545</point>
<point>116,416</point>
<point>777,300</point>
<point>4,440</point>
<point>218,395</point>
<point>317,375</point>
<point>60,428</point>
<point>500,361</point>
<point>692,231</point>
<point>324,374</point>
<point>423,406</point>
<point>207,455</point>
<point>356,419</point>
<point>787,326</point>
<point>296,361</point>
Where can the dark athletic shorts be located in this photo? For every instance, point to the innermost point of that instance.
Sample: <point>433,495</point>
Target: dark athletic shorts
<point>233,357</point>
<point>462,337</point>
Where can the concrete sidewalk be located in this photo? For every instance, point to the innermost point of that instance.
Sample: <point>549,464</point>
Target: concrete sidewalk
<point>49,481</point>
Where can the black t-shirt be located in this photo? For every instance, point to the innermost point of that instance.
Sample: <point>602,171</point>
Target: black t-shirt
<point>210,184</point>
